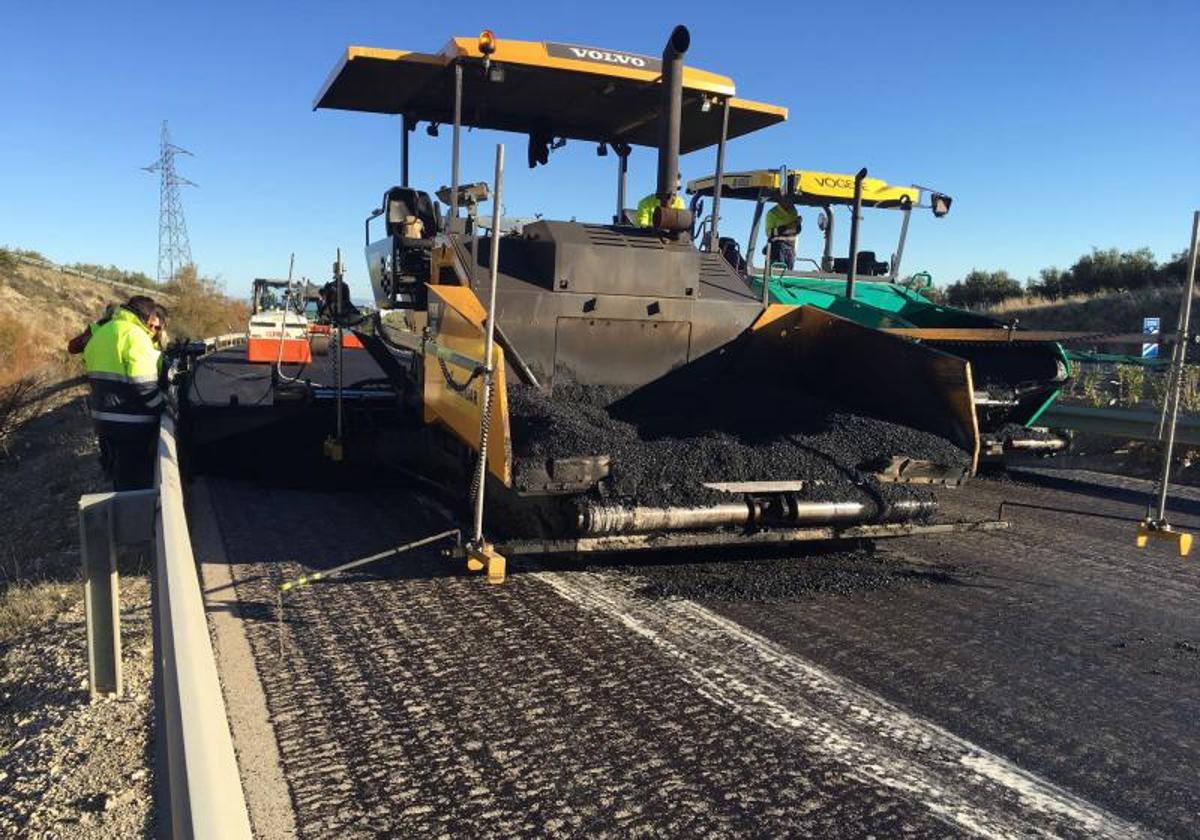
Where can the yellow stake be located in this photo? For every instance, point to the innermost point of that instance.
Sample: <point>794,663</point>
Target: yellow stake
<point>1182,539</point>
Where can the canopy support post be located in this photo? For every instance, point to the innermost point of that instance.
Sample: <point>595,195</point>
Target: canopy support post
<point>458,78</point>
<point>622,151</point>
<point>758,211</point>
<point>406,125</point>
<point>900,247</point>
<point>855,213</point>
<point>714,235</point>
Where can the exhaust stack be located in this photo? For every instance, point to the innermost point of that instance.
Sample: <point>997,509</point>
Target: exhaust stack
<point>671,116</point>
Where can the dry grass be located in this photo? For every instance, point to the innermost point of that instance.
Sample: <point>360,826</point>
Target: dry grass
<point>25,605</point>
<point>21,349</point>
<point>1111,312</point>
<point>1026,302</point>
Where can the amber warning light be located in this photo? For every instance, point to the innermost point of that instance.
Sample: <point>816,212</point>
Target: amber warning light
<point>487,42</point>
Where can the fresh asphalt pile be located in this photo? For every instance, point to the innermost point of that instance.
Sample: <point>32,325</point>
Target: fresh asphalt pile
<point>665,442</point>
<point>1010,431</point>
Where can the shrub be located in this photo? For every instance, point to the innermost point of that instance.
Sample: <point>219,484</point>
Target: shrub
<point>1093,390</point>
<point>982,288</point>
<point>1132,381</point>
<point>120,275</point>
<point>201,309</point>
<point>17,401</point>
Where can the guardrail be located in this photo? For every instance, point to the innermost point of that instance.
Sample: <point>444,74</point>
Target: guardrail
<point>203,796</point>
<point>198,785</point>
<point>223,342</point>
<point>1118,422</point>
<point>156,291</point>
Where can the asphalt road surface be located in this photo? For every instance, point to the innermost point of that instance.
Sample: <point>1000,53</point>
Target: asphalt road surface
<point>1042,681</point>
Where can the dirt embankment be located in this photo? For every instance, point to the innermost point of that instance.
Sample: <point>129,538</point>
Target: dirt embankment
<point>1117,312</point>
<point>67,767</point>
<point>49,307</point>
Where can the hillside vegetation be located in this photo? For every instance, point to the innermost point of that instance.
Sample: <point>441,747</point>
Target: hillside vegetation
<point>1105,312</point>
<point>1097,273</point>
<point>42,308</point>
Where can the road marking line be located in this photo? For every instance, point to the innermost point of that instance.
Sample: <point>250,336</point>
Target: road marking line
<point>879,743</point>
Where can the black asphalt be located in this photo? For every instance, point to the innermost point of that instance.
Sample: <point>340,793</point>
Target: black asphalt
<point>412,700</point>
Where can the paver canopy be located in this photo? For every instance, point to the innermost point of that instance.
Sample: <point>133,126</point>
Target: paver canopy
<point>558,90</point>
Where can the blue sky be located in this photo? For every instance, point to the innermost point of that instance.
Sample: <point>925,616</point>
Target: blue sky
<point>1056,126</point>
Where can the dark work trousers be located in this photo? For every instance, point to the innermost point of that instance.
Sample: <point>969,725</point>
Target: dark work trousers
<point>783,251</point>
<point>127,453</point>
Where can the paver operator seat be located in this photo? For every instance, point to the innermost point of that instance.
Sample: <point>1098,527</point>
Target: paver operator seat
<point>399,263</point>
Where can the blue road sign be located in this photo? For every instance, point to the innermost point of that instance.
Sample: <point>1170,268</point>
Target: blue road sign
<point>1151,326</point>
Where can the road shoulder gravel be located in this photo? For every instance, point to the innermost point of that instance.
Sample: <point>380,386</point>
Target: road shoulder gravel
<point>70,766</point>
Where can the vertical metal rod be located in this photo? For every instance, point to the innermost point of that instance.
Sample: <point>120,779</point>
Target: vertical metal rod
<point>622,178</point>
<point>1171,372</point>
<point>337,274</point>
<point>766,278</point>
<point>715,236</point>
<point>473,273</point>
<point>754,223</point>
<point>458,79</point>
<point>1182,337</point>
<point>900,247</point>
<point>766,290</point>
<point>855,213</point>
<point>489,343</point>
<point>404,130</point>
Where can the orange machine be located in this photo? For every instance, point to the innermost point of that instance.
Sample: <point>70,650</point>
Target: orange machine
<point>278,335</point>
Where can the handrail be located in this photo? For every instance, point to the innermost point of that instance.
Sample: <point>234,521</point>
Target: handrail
<point>203,786</point>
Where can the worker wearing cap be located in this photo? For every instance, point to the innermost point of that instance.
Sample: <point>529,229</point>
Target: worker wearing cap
<point>783,226</point>
<point>125,402</point>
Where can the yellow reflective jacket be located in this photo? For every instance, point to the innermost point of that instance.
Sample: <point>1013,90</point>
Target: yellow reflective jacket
<point>645,209</point>
<point>122,368</point>
<point>782,222</point>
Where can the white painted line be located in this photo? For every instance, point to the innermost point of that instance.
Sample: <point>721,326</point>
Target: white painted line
<point>879,744</point>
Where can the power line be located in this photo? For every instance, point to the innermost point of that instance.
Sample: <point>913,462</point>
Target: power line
<point>174,251</point>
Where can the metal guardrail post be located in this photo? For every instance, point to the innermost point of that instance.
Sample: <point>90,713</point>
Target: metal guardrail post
<point>101,595</point>
<point>110,524</point>
<point>205,797</point>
